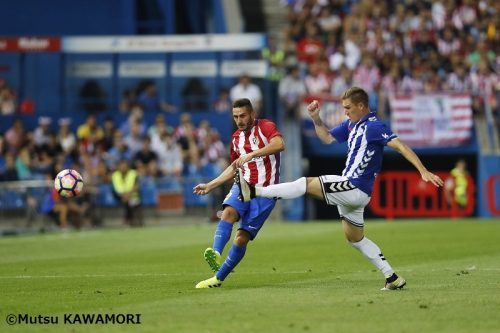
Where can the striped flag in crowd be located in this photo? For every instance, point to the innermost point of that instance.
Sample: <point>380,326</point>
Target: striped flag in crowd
<point>432,120</point>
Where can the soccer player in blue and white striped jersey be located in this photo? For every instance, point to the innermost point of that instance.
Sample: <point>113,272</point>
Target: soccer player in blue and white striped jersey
<point>366,138</point>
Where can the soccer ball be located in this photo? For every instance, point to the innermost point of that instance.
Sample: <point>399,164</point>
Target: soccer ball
<point>68,183</point>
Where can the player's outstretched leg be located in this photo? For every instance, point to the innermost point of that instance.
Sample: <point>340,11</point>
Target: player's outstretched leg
<point>290,190</point>
<point>236,253</point>
<point>373,253</point>
<point>222,235</point>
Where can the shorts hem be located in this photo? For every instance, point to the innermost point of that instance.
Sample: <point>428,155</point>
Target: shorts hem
<point>252,236</point>
<point>356,224</point>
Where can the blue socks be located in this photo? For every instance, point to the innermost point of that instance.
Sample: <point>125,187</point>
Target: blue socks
<point>233,258</point>
<point>222,235</point>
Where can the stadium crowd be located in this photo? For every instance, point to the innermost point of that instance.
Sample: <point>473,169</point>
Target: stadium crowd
<point>385,47</point>
<point>389,47</point>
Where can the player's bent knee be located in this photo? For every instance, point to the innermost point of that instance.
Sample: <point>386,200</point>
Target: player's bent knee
<point>230,214</point>
<point>352,233</point>
<point>314,188</point>
<point>242,238</point>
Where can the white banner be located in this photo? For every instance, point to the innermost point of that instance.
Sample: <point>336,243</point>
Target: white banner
<point>188,68</point>
<point>142,69</point>
<point>90,69</point>
<point>432,120</point>
<point>179,43</point>
<point>235,68</point>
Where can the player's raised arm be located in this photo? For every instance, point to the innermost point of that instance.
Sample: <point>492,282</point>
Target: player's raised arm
<point>322,131</point>
<point>410,155</point>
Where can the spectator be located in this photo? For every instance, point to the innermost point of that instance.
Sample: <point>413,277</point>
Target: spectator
<point>25,160</point>
<point>150,101</point>
<point>41,133</point>
<point>275,57</point>
<point>63,210</point>
<point>246,89</point>
<point>223,103</point>
<point>342,82</point>
<point>186,135</point>
<point>170,156</point>
<point>195,95</point>
<point>118,151</point>
<point>133,140</point>
<point>135,116</point>
<point>65,137</point>
<point>126,189</point>
<point>317,82</point>
<point>309,47</point>
<point>7,99</point>
<point>89,134</point>
<point>129,100</point>
<point>456,185</point>
<point>291,90</point>
<point>93,97</point>
<point>15,137</point>
<point>146,160</point>
<point>10,171</point>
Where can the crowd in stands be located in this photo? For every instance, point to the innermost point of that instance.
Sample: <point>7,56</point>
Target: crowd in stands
<point>156,151</point>
<point>391,46</point>
<point>386,47</point>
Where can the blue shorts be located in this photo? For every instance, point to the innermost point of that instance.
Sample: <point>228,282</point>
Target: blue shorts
<point>253,214</point>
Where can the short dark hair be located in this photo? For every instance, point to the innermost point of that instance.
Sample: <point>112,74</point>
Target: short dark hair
<point>356,95</point>
<point>243,103</point>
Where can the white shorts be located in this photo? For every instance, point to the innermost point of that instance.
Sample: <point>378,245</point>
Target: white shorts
<point>350,201</point>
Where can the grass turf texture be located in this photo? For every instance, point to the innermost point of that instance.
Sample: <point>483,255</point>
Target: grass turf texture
<point>295,278</point>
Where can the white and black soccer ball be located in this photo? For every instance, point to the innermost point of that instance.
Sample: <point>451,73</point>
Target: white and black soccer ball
<point>68,183</point>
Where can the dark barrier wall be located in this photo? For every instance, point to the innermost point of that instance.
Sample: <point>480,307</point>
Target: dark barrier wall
<point>392,162</point>
<point>63,17</point>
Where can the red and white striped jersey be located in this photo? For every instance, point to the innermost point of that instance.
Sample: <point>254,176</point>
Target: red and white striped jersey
<point>262,171</point>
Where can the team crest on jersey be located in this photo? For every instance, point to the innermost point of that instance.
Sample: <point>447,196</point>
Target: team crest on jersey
<point>255,140</point>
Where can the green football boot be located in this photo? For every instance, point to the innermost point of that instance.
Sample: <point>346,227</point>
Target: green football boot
<point>213,259</point>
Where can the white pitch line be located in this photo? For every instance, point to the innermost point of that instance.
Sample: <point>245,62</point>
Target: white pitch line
<point>89,276</point>
<point>496,269</point>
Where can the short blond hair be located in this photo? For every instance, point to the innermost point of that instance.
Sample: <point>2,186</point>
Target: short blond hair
<point>356,95</point>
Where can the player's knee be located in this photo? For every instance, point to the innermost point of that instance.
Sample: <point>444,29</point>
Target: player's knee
<point>242,238</point>
<point>230,214</point>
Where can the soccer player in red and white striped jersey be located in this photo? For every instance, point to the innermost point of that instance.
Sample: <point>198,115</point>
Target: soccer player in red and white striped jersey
<point>255,148</point>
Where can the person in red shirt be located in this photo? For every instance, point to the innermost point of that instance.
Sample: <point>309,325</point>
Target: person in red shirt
<point>309,47</point>
<point>255,149</point>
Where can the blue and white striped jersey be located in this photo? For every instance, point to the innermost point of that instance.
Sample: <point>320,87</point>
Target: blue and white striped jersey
<point>366,140</point>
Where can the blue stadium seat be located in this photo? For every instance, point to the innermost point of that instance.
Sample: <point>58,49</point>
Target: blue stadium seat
<point>210,170</point>
<point>148,191</point>
<point>105,197</point>
<point>191,199</point>
<point>168,184</point>
<point>10,199</point>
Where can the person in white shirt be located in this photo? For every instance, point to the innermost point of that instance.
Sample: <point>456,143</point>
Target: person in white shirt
<point>246,89</point>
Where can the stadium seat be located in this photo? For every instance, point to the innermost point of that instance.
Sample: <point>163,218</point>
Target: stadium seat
<point>148,191</point>
<point>191,199</point>
<point>105,197</point>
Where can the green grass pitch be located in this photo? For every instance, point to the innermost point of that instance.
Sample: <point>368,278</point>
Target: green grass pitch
<point>296,277</point>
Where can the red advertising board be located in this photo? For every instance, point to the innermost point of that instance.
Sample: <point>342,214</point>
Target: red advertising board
<point>30,44</point>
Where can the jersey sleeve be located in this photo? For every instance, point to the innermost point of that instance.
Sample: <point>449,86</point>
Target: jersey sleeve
<point>341,132</point>
<point>233,153</point>
<point>269,129</point>
<point>379,133</point>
